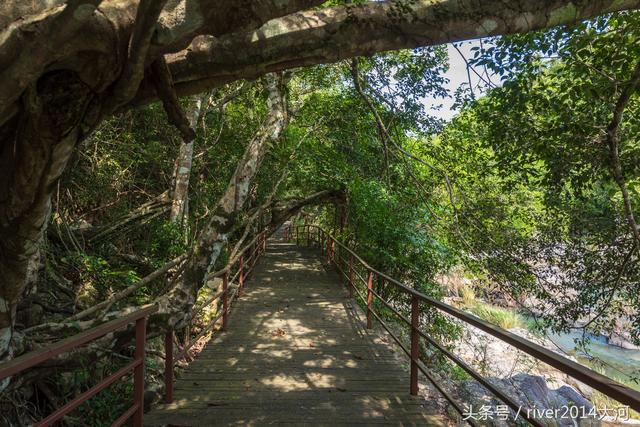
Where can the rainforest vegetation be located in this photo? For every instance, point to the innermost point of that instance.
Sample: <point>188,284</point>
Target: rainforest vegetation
<point>111,200</point>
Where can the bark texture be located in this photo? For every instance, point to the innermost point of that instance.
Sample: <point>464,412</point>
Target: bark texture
<point>184,162</point>
<point>332,34</point>
<point>35,152</point>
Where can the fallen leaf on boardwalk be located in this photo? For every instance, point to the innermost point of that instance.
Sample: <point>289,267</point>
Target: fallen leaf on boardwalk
<point>341,389</point>
<point>278,333</point>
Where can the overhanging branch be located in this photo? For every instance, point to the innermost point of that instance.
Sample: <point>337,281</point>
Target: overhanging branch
<point>145,24</point>
<point>336,33</point>
<point>164,88</point>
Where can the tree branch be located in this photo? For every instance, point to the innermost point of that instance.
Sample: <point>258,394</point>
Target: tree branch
<point>145,25</point>
<point>128,291</point>
<point>612,141</point>
<point>164,88</point>
<point>332,34</point>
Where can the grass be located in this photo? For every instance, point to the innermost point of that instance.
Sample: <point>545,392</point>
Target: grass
<point>468,296</point>
<point>502,317</point>
<point>498,316</point>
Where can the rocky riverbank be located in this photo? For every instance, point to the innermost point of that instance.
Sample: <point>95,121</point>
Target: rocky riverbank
<point>549,393</point>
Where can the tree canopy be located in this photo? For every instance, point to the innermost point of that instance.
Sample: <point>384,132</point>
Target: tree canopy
<point>145,142</point>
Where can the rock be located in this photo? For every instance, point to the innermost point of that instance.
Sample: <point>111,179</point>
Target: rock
<point>495,356</point>
<point>529,382</point>
<point>622,341</point>
<point>153,393</point>
<point>551,407</point>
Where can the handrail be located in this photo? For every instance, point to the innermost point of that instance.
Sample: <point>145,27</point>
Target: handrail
<point>240,267</point>
<point>328,244</point>
<point>237,268</point>
<point>39,356</point>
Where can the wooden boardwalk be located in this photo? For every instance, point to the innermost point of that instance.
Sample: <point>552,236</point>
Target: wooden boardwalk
<point>296,353</point>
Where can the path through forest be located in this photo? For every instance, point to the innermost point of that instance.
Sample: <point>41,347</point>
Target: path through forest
<point>296,352</point>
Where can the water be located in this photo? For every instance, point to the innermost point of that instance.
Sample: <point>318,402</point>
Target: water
<point>623,363</point>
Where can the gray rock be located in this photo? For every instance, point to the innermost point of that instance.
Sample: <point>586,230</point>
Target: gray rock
<point>551,407</point>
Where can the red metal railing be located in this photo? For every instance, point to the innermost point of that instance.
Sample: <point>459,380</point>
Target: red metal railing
<point>37,357</point>
<point>347,263</point>
<point>239,268</point>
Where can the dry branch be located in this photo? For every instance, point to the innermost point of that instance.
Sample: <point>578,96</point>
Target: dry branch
<point>150,209</point>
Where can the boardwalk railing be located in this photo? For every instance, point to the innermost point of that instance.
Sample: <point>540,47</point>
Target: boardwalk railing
<point>37,357</point>
<point>348,263</point>
<point>238,268</point>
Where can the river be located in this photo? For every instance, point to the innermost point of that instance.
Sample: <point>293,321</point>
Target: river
<point>622,362</point>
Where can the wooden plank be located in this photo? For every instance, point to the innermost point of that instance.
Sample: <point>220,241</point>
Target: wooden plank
<point>296,352</point>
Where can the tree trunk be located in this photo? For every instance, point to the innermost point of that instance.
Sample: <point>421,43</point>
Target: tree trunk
<point>214,236</point>
<point>34,153</point>
<point>184,163</point>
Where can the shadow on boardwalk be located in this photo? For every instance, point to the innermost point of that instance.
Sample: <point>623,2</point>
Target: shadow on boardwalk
<point>296,352</point>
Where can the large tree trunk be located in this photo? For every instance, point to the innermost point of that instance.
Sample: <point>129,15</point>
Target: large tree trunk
<point>35,151</point>
<point>177,303</point>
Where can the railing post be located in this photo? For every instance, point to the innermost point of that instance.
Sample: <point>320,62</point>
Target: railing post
<point>333,251</point>
<point>370,300</point>
<point>168,366</point>
<point>138,372</point>
<point>351,276</point>
<point>241,276</point>
<point>297,231</point>
<point>308,236</point>
<point>328,250</point>
<point>415,343</point>
<point>254,254</point>
<point>225,300</point>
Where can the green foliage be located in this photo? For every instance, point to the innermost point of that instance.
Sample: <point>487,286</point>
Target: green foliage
<point>96,277</point>
<point>167,239</point>
<point>545,127</point>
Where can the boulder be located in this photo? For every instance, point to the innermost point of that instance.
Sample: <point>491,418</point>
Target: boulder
<point>552,407</point>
